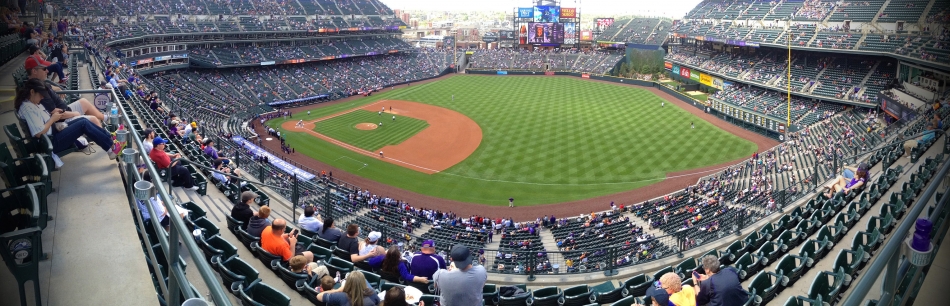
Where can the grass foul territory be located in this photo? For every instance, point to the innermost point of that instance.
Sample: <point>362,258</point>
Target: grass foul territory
<point>392,132</point>
<point>545,140</point>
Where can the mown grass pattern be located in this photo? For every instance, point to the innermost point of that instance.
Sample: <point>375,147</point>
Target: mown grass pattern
<point>392,132</point>
<point>545,140</point>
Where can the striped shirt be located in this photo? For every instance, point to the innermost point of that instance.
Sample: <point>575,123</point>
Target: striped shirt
<point>35,116</point>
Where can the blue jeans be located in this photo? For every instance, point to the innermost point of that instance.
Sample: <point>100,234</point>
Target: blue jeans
<point>848,174</point>
<point>56,68</point>
<point>64,139</point>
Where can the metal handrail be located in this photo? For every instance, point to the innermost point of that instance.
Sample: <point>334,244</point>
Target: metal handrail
<point>889,257</point>
<point>177,279</point>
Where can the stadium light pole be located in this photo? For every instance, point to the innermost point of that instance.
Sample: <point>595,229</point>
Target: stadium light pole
<point>788,81</point>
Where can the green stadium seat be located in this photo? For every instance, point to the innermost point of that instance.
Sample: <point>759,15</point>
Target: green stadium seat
<point>261,294</point>
<point>850,261</point>
<point>637,285</point>
<point>578,295</point>
<point>335,265</point>
<point>294,280</point>
<point>791,267</point>
<point>870,241</point>
<point>769,252</point>
<point>686,267</point>
<point>827,286</point>
<point>803,301</point>
<point>319,252</point>
<point>627,301</point>
<point>766,285</point>
<point>789,239</point>
<point>233,224</point>
<point>490,294</point>
<point>269,260</point>
<point>216,246</point>
<point>246,238</point>
<point>658,274</point>
<point>746,266</point>
<point>547,296</point>
<point>607,292</point>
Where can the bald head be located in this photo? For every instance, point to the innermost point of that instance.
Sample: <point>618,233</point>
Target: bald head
<point>278,225</point>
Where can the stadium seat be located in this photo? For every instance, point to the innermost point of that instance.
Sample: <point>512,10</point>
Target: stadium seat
<point>490,294</point>
<point>870,241</point>
<point>517,300</point>
<point>577,296</point>
<point>827,286</point>
<point>753,241</point>
<point>607,292</point>
<point>746,266</point>
<point>21,207</point>
<point>208,229</point>
<point>217,246</point>
<point>851,261</point>
<point>733,252</point>
<point>261,294</point>
<point>791,267</point>
<point>269,260</point>
<point>803,301</point>
<point>686,267</point>
<point>246,239</point>
<point>293,280</point>
<point>195,211</point>
<point>769,252</point>
<point>236,273</point>
<point>547,296</point>
<point>428,299</point>
<point>658,274</point>
<point>319,252</point>
<point>789,239</point>
<point>766,285</point>
<point>335,265</point>
<point>637,285</point>
<point>374,279</point>
<point>627,301</point>
<point>233,224</point>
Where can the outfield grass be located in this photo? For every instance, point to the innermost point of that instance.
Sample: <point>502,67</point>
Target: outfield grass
<point>392,132</point>
<point>545,140</point>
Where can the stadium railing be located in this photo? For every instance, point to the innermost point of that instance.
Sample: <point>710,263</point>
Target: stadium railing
<point>178,285</point>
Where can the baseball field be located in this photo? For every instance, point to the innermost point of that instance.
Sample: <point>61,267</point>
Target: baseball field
<point>484,139</point>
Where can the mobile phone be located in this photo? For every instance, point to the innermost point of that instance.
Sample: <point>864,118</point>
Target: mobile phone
<point>695,275</point>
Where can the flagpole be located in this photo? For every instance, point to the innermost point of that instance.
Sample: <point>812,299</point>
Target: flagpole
<point>788,115</point>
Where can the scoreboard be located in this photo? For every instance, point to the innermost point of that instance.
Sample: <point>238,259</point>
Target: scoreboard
<point>743,114</point>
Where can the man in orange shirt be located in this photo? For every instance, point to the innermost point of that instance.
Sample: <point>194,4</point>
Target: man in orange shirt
<point>275,241</point>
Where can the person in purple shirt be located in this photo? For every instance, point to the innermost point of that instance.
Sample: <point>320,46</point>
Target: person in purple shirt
<point>393,268</point>
<point>213,153</point>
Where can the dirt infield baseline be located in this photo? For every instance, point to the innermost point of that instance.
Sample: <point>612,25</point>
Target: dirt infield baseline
<point>450,138</point>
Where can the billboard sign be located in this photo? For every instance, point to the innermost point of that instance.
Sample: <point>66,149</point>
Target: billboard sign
<point>684,72</point>
<point>586,35</point>
<point>506,35</point>
<point>676,69</point>
<point>717,83</point>
<point>705,79</point>
<point>547,13</point>
<point>525,12</point>
<point>668,65</point>
<point>568,12</point>
<point>694,77</point>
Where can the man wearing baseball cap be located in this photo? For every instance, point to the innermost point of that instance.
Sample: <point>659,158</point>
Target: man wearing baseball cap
<point>425,262</point>
<point>657,296</point>
<point>37,59</point>
<point>163,160</point>
<point>462,283</point>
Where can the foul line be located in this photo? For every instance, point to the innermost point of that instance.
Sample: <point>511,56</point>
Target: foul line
<point>589,184</point>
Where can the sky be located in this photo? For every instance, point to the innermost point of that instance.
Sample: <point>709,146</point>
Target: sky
<point>669,8</point>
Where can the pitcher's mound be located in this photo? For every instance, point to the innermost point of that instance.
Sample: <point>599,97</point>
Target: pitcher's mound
<point>366,126</point>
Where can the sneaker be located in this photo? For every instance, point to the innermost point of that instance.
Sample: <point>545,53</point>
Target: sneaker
<point>88,150</point>
<point>193,188</point>
<point>63,81</point>
<point>112,155</point>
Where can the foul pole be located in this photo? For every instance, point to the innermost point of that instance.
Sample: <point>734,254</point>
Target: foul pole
<point>788,80</point>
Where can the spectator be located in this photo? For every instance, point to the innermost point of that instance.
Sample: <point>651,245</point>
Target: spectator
<point>36,69</point>
<point>159,209</point>
<point>462,283</point>
<point>258,222</point>
<point>656,296</point>
<point>299,264</point>
<point>330,232</point>
<point>242,211</point>
<point>426,262</point>
<point>163,160</point>
<point>850,178</point>
<point>210,150</point>
<point>719,287</point>
<point>393,268</point>
<point>308,221</point>
<point>356,292</point>
<point>37,56</point>
<point>926,138</point>
<point>680,295</point>
<point>351,244</point>
<point>275,241</point>
<point>396,296</point>
<point>369,244</point>
<point>221,172</point>
<point>42,122</point>
<point>147,142</point>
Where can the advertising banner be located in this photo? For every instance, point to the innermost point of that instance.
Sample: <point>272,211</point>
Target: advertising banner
<point>525,12</point>
<point>549,73</point>
<point>143,61</point>
<point>676,69</point>
<point>694,76</point>
<point>568,12</point>
<point>668,65</point>
<point>547,13</point>
<point>717,83</point>
<point>545,33</point>
<point>705,79</point>
<point>603,23</point>
<point>274,160</point>
<point>585,75</point>
<point>502,72</point>
<point>174,56</point>
<point>684,72</point>
<point>506,35</point>
<point>586,35</point>
<point>162,58</point>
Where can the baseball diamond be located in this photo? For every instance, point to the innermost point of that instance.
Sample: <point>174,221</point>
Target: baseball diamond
<point>544,139</point>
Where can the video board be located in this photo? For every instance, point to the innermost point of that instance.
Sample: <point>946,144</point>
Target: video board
<point>506,35</point>
<point>570,33</point>
<point>545,33</point>
<point>601,24</point>
<point>547,13</point>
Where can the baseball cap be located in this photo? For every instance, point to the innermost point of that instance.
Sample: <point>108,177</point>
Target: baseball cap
<point>158,141</point>
<point>194,124</point>
<point>34,48</point>
<point>658,294</point>
<point>247,195</point>
<point>34,61</point>
<point>428,244</point>
<point>461,256</point>
<point>374,236</point>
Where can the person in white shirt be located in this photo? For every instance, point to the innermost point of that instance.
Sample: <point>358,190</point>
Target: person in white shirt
<point>309,221</point>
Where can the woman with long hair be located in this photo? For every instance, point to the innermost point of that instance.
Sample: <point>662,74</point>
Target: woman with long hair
<point>396,296</point>
<point>330,232</point>
<point>356,291</point>
<point>40,122</point>
<point>393,268</point>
